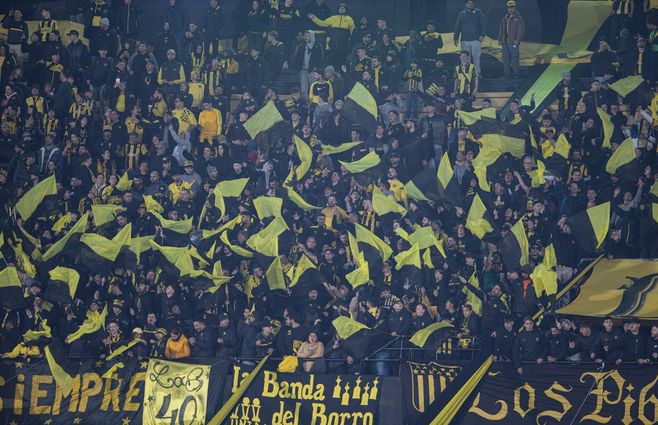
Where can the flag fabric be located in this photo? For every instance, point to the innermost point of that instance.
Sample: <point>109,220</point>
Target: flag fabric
<point>346,327</point>
<point>94,321</point>
<point>419,339</point>
<point>11,291</point>
<point>654,212</point>
<point>62,285</point>
<point>537,175</point>
<point>487,156</point>
<point>367,162</point>
<point>22,259</point>
<point>152,205</point>
<point>383,204</point>
<point>28,203</point>
<point>424,186</point>
<point>232,188</point>
<point>470,118</point>
<point>590,227</point>
<point>124,184</point>
<point>62,222</point>
<point>268,206</point>
<point>360,275</point>
<point>274,275</point>
<point>448,185</point>
<point>178,259</point>
<point>303,264</point>
<point>625,86</point>
<point>331,149</point>
<point>608,127</point>
<point>471,297</point>
<point>235,248</point>
<point>366,236</point>
<point>104,214</point>
<point>654,189</point>
<point>78,228</point>
<point>361,107</point>
<point>475,220</point>
<point>544,280</point>
<point>550,258</point>
<point>410,257</point>
<point>216,200</point>
<point>562,146</point>
<point>100,252</point>
<point>297,199</point>
<point>177,226</point>
<point>305,155</point>
<point>623,163</point>
<point>502,136</point>
<point>514,247</point>
<point>63,378</point>
<point>263,120</point>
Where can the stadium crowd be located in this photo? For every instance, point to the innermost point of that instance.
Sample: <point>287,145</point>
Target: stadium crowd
<point>148,125</point>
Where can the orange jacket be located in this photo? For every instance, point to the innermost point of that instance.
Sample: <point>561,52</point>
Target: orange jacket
<point>177,349</point>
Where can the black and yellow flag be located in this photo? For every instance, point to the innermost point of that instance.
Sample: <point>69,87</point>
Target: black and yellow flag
<point>419,339</point>
<point>266,241</point>
<point>274,275</point>
<point>105,214</point>
<point>448,185</point>
<point>59,368</point>
<point>544,280</point>
<point>487,156</point>
<point>503,137</point>
<point>296,273</point>
<point>364,235</point>
<point>626,86</point>
<point>562,146</point>
<point>470,118</point>
<point>176,226</point>
<point>608,127</point>
<point>100,252</point>
<point>624,163</point>
<point>514,247</point>
<point>94,321</point>
<point>297,199</point>
<point>361,107</point>
<point>263,120</point>
<point>124,184</point>
<point>305,155</point>
<point>360,275</point>
<point>331,149</point>
<point>11,291</point>
<point>475,220</point>
<point>235,248</point>
<point>590,227</point>
<point>369,161</point>
<point>178,260</point>
<point>232,188</point>
<point>346,327</point>
<point>410,257</point>
<point>424,186</point>
<point>69,237</point>
<point>268,206</point>
<point>28,204</point>
<point>62,285</point>
<point>383,204</point>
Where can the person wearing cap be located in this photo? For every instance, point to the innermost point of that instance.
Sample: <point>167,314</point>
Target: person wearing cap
<point>470,30</point>
<point>510,35</point>
<point>78,53</point>
<point>340,28</point>
<point>171,75</point>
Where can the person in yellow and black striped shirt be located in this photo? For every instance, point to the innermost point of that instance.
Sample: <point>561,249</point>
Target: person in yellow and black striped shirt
<point>413,81</point>
<point>185,117</point>
<point>46,25</point>
<point>133,152</point>
<point>37,102</point>
<point>50,123</point>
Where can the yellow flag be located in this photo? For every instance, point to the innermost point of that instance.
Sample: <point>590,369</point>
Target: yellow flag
<point>63,379</point>
<point>471,118</point>
<point>124,184</point>
<point>550,258</point>
<point>9,277</point>
<point>62,222</point>
<point>502,143</point>
<point>608,127</point>
<point>444,172</point>
<point>178,226</point>
<point>362,97</point>
<point>232,188</point>
<point>179,257</point>
<point>31,200</point>
<point>79,227</point>
<point>303,264</point>
<point>544,279</point>
<point>427,259</point>
<point>410,257</point>
<point>94,321</point>
<point>562,146</point>
<point>152,205</point>
<point>654,189</point>
<point>419,339</point>
<point>263,120</point>
<point>68,276</point>
<point>624,154</point>
<point>360,275</point>
<point>274,275</point>
<point>475,221</point>
<point>471,297</point>
<point>104,214</point>
<point>414,192</point>
<point>366,236</point>
<point>654,212</point>
<point>235,248</point>
<point>330,150</point>
<point>268,206</point>
<point>367,162</point>
<point>298,200</point>
<point>626,85</point>
<point>23,260</point>
<point>346,327</point>
<point>487,156</point>
<point>383,204</point>
<point>424,237</point>
<point>305,156</point>
<point>537,175</point>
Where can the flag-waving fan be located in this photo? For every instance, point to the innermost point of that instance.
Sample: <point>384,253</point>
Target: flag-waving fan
<point>624,163</point>
<point>68,239</point>
<point>62,285</point>
<point>449,187</point>
<point>514,247</point>
<point>11,291</point>
<point>28,203</point>
<point>361,107</point>
<point>502,136</point>
<point>263,120</point>
<point>590,227</point>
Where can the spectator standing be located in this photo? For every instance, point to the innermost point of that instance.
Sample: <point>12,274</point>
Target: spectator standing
<point>510,34</point>
<point>470,29</point>
<point>17,33</point>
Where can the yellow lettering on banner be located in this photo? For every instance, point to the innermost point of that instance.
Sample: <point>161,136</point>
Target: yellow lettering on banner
<point>38,393</point>
<point>111,394</point>
<point>238,377</point>
<point>270,386</point>
<point>553,395</point>
<point>628,404</point>
<point>132,405</point>
<point>286,417</point>
<point>517,400</point>
<point>319,417</point>
<point>648,389</point>
<point>89,390</point>
<point>603,394</point>
<point>73,397</point>
<point>18,395</point>
<point>498,416</point>
<point>2,383</point>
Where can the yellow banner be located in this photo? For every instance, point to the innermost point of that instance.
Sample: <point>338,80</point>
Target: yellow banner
<point>175,393</point>
<point>618,288</point>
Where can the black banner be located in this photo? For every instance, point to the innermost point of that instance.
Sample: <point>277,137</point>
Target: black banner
<point>566,394</point>
<point>422,383</point>
<point>302,399</point>
<point>29,395</point>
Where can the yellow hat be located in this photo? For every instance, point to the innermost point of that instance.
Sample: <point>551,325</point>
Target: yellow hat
<point>511,3</point>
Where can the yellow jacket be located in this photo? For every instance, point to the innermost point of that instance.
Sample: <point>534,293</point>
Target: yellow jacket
<point>210,123</point>
<point>337,21</point>
<point>177,349</point>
